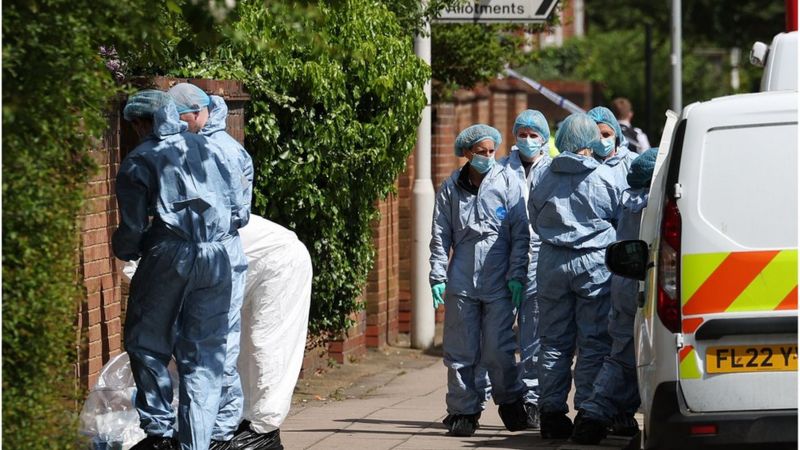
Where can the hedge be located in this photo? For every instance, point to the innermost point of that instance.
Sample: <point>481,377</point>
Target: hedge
<point>332,119</point>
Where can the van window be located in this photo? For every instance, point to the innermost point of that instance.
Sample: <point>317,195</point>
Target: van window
<point>748,184</point>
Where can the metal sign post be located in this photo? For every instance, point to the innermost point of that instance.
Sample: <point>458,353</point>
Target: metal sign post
<point>499,11</point>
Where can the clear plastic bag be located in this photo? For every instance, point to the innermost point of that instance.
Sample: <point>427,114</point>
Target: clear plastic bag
<point>108,417</point>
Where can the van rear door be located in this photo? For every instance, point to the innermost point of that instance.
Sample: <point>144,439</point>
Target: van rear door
<point>737,196</point>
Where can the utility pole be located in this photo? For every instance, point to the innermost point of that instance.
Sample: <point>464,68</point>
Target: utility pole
<point>676,60</point>
<point>423,316</point>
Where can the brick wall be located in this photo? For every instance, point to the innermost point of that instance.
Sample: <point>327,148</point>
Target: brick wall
<point>353,345</point>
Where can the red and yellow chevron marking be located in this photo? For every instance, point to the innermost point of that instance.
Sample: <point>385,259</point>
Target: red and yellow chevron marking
<point>691,324</point>
<point>739,282</point>
<point>687,363</point>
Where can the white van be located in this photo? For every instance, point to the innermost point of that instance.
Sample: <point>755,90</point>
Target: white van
<point>716,331</point>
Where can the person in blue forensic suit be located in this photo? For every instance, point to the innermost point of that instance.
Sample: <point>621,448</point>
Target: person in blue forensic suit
<point>615,150</point>
<point>174,215</point>
<point>573,210</point>
<point>615,397</point>
<point>206,115</point>
<point>479,214</point>
<point>529,159</point>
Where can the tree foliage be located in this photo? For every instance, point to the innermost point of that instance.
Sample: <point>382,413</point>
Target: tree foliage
<point>613,53</point>
<point>336,97</point>
<point>465,55</point>
<point>718,23</point>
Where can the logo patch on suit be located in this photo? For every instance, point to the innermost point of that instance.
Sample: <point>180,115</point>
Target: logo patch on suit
<point>500,213</point>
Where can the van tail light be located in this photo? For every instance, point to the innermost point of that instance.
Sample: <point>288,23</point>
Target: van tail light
<point>669,265</point>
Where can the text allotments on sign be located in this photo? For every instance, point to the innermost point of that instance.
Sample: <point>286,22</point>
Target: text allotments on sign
<point>499,11</point>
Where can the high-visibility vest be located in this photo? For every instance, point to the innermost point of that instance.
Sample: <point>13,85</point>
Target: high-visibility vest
<point>553,150</point>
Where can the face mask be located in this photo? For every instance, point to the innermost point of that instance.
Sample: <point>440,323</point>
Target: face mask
<point>481,163</point>
<point>608,147</point>
<point>528,147</point>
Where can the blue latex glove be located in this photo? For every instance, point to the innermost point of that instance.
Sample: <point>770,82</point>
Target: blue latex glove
<point>516,289</point>
<point>438,293</point>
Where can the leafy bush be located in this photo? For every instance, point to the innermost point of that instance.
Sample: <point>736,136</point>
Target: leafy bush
<point>55,89</point>
<point>336,96</point>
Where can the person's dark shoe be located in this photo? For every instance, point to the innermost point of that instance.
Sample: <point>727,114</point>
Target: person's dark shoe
<point>555,426</point>
<point>461,425</point>
<point>220,445</point>
<point>514,416</point>
<point>157,443</point>
<point>623,425</point>
<point>247,439</point>
<point>588,431</point>
<point>532,416</point>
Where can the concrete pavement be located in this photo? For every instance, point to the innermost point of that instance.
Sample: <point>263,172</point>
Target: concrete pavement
<point>406,413</point>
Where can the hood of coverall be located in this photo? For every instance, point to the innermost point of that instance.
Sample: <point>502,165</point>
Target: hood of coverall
<point>217,115</point>
<point>573,163</point>
<point>167,122</point>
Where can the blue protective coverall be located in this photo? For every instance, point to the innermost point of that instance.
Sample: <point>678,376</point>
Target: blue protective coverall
<point>615,388</point>
<point>528,315</point>
<point>489,237</point>
<point>240,166</point>
<point>175,216</point>
<point>573,210</point>
<point>621,162</point>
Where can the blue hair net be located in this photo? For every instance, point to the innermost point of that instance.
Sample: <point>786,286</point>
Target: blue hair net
<point>188,97</point>
<point>143,104</point>
<point>534,120</point>
<point>474,134</point>
<point>601,114</point>
<point>578,131</point>
<point>641,172</point>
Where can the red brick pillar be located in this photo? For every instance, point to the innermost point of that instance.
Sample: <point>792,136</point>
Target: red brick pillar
<point>445,129</point>
<point>99,321</point>
<point>405,211</point>
<point>377,286</point>
<point>517,102</point>
<point>482,106</point>
<point>393,295</point>
<point>382,282</point>
<point>500,112</point>
<point>451,118</point>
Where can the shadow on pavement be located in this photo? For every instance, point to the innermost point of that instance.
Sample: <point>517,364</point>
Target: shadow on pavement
<point>418,424</point>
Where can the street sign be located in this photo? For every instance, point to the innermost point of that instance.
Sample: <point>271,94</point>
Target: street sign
<point>499,11</point>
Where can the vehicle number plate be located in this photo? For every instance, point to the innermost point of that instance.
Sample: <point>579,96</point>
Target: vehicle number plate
<point>751,358</point>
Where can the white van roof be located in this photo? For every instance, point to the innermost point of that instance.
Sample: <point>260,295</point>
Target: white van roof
<point>744,107</point>
<point>780,70</point>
